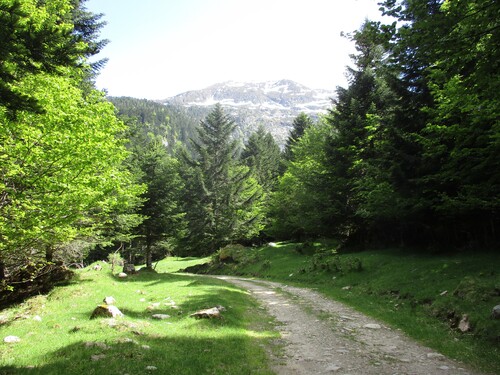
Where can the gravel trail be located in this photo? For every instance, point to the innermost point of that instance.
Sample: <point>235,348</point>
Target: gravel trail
<point>322,336</point>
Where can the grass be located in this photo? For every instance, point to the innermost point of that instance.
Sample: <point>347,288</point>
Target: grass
<point>65,339</point>
<point>423,294</point>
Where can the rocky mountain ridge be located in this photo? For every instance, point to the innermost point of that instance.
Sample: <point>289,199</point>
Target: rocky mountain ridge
<point>271,104</point>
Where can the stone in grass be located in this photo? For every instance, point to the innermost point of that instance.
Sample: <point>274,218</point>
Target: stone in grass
<point>106,311</point>
<point>372,326</point>
<point>109,300</point>
<point>464,325</point>
<point>151,368</point>
<point>97,357</point>
<point>160,316</point>
<point>211,313</point>
<point>122,275</point>
<point>495,314</point>
<point>11,339</point>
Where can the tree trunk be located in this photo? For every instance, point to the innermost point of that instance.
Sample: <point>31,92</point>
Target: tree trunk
<point>149,261</point>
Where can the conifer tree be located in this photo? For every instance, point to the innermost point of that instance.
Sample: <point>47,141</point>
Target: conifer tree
<point>223,204</point>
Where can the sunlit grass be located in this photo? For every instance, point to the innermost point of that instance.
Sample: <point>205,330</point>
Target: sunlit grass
<point>65,339</point>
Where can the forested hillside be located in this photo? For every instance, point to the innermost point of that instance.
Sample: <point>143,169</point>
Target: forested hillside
<point>407,155</point>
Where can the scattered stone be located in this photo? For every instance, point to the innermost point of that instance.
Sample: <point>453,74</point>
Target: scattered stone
<point>37,318</point>
<point>495,314</point>
<point>153,306</point>
<point>434,356</point>
<point>444,368</point>
<point>160,316</point>
<point>151,368</point>
<point>145,347</point>
<point>109,300</point>
<point>129,268</point>
<point>122,275</point>
<point>97,267</point>
<point>211,313</point>
<point>97,357</point>
<point>348,287</point>
<point>98,344</point>
<point>443,293</point>
<point>272,244</point>
<point>126,340</point>
<point>372,326</point>
<point>106,311</point>
<point>142,300</point>
<point>464,325</point>
<point>11,339</point>
<point>333,368</point>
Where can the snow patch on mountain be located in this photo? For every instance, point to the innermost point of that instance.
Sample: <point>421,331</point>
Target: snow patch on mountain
<point>273,104</point>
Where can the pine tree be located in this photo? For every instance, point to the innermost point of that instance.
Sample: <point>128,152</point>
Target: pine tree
<point>223,201</point>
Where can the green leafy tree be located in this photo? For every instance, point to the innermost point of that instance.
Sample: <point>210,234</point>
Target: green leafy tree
<point>61,171</point>
<point>300,205</point>
<point>299,126</point>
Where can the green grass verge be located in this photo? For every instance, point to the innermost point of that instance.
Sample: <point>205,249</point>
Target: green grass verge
<point>424,294</point>
<point>65,339</point>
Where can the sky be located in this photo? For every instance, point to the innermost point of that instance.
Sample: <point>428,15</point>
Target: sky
<point>161,48</point>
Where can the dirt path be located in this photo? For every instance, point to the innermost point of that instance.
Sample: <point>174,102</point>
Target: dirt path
<point>322,336</point>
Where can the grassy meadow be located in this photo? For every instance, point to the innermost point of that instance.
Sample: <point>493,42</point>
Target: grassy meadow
<point>57,336</point>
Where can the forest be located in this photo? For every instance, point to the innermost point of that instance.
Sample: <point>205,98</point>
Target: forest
<point>408,155</point>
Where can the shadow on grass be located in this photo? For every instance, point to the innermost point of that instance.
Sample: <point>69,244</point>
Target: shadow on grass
<point>231,354</point>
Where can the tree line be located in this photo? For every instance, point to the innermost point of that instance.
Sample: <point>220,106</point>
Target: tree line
<point>408,154</point>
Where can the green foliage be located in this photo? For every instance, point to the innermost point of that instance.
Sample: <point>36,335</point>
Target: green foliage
<point>300,204</point>
<point>61,170</point>
<point>222,201</point>
<point>262,154</point>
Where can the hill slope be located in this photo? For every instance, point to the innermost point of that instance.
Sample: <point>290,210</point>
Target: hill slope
<point>271,104</point>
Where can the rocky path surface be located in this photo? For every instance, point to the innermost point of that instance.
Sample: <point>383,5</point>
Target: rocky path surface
<point>322,336</point>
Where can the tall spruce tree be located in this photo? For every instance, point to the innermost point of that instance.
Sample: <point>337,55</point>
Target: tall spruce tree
<point>223,202</point>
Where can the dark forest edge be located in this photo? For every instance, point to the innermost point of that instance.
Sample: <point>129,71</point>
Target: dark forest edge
<point>407,156</point>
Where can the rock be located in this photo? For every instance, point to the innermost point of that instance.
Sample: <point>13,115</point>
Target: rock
<point>445,368</point>
<point>372,326</point>
<point>333,368</point>
<point>145,347</point>
<point>495,313</point>
<point>211,313</point>
<point>106,311</point>
<point>11,339</point>
<point>122,275</point>
<point>97,267</point>
<point>443,293</point>
<point>464,325</point>
<point>151,368</point>
<point>109,300</point>
<point>97,357</point>
<point>38,318</point>
<point>153,306</point>
<point>160,316</point>
<point>348,287</point>
<point>129,268</point>
<point>434,356</point>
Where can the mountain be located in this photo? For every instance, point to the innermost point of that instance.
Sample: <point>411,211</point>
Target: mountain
<point>250,104</point>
